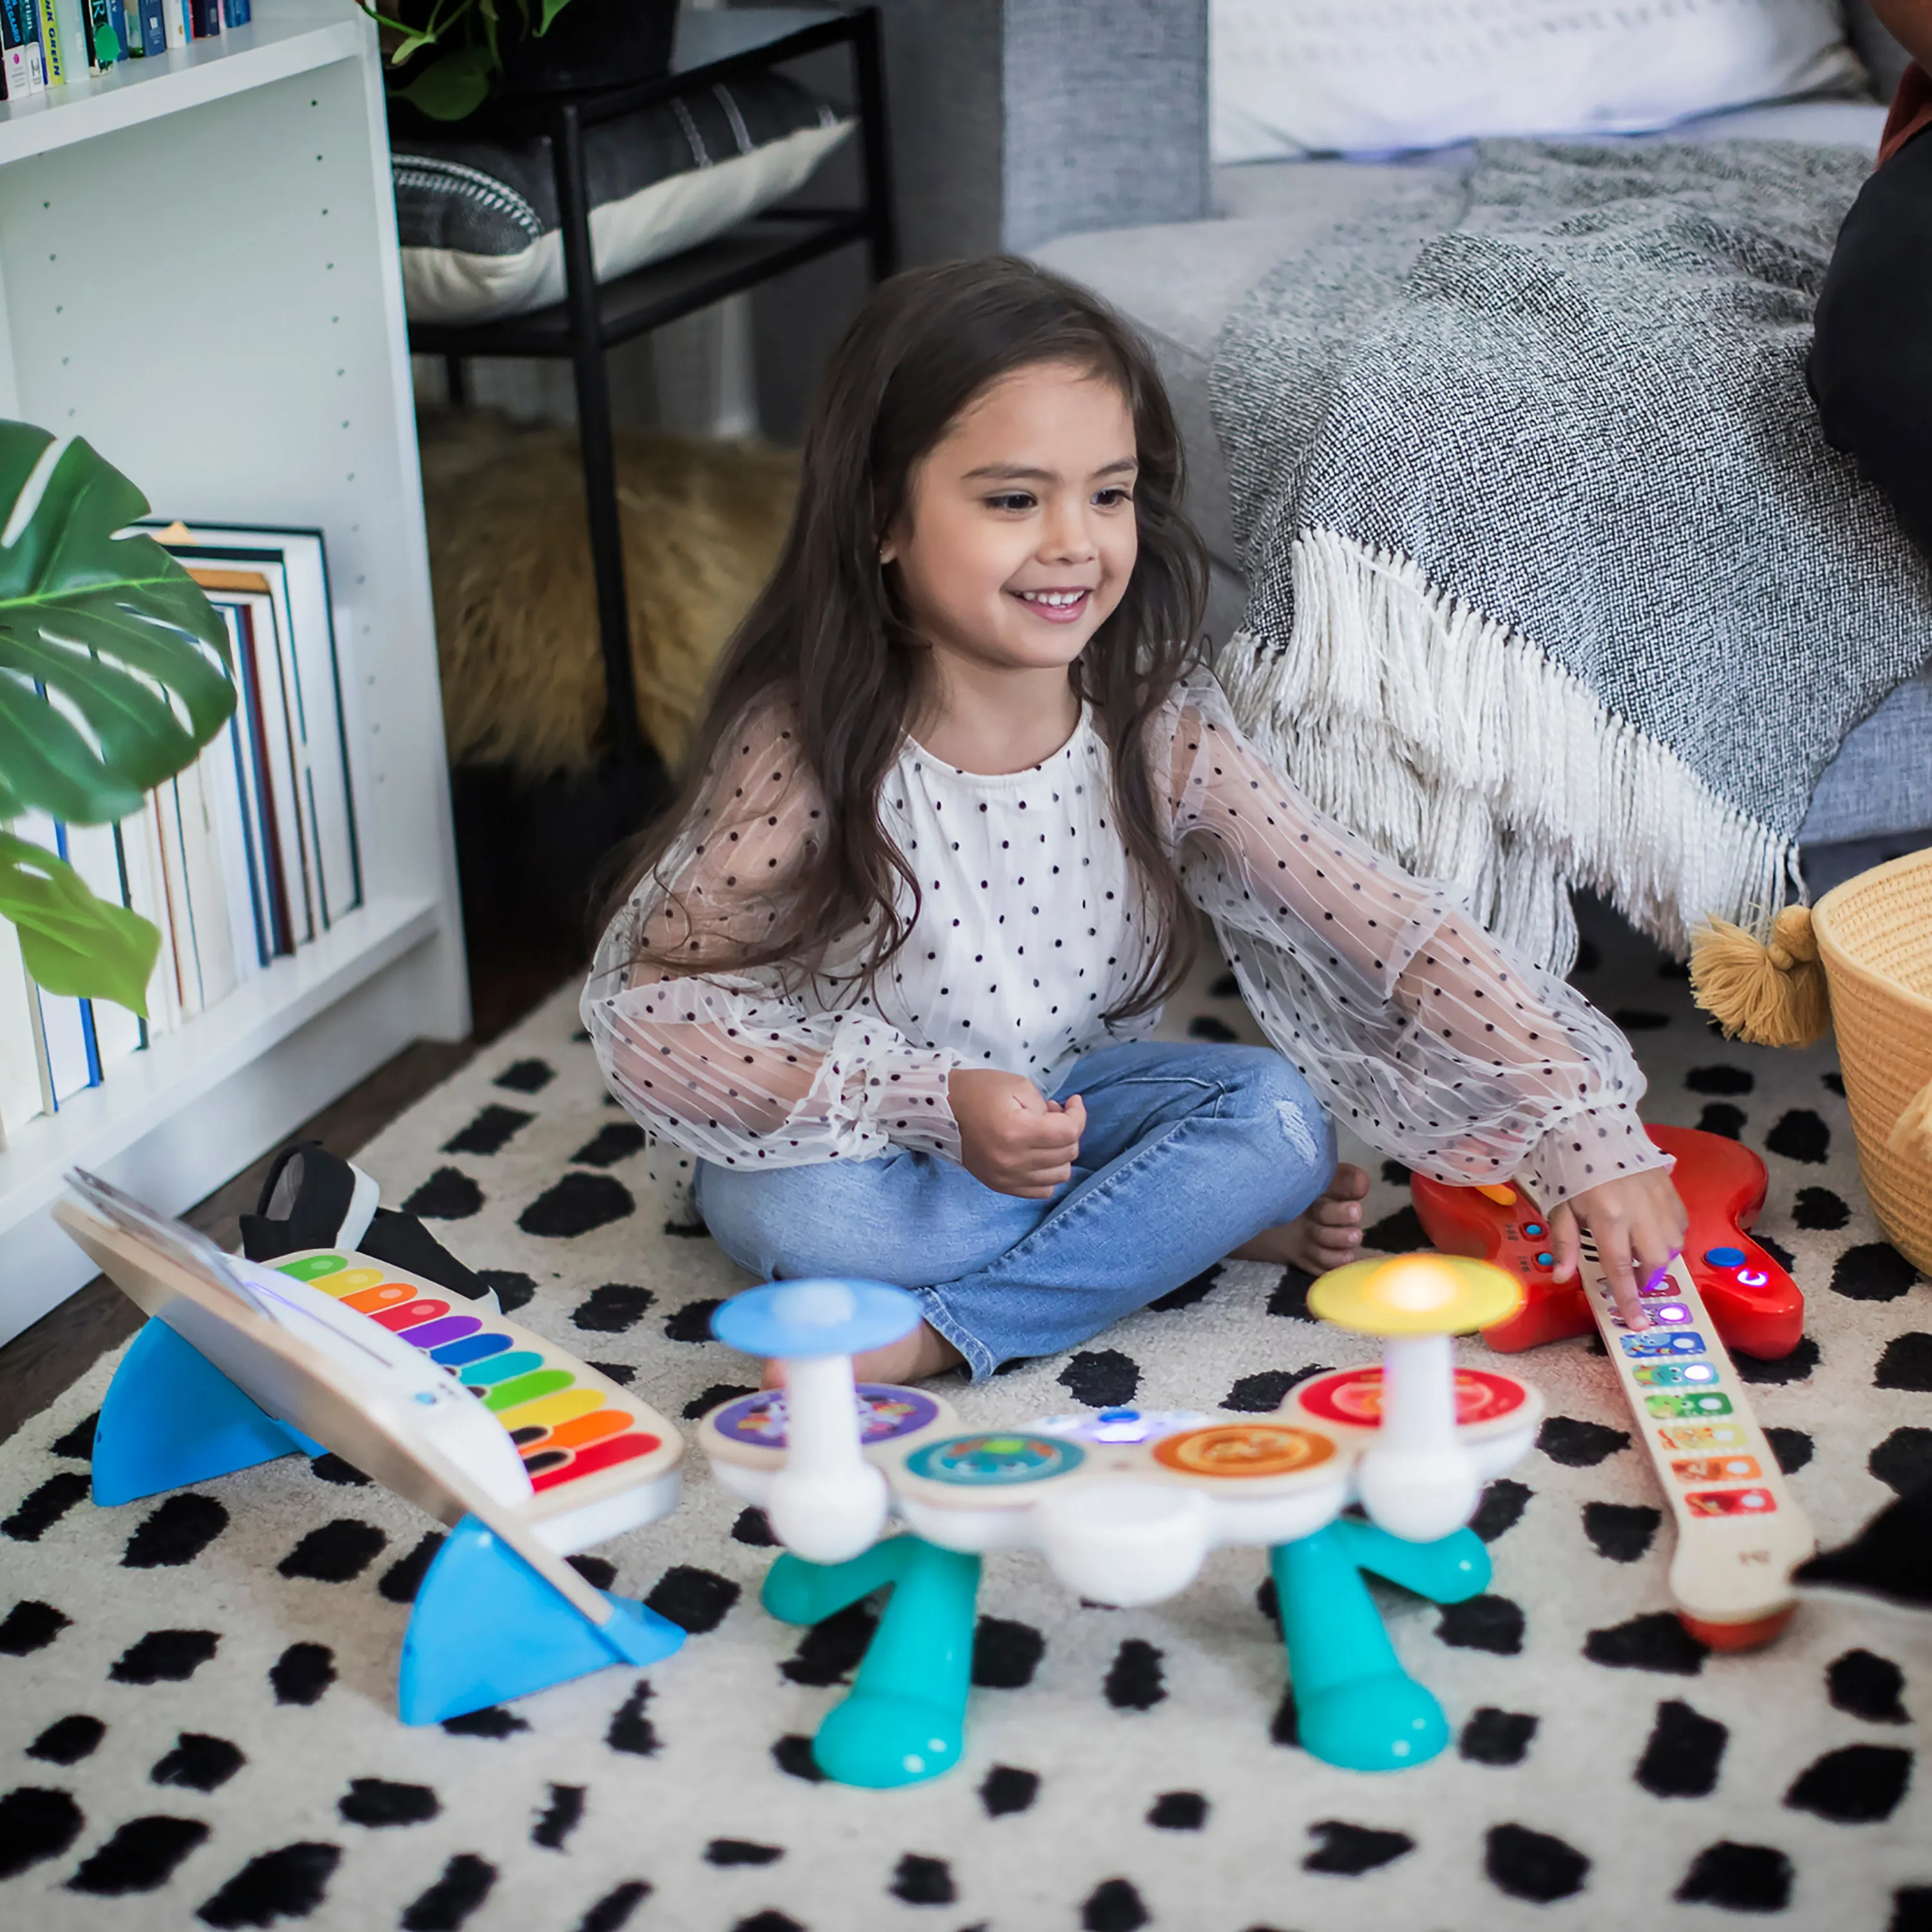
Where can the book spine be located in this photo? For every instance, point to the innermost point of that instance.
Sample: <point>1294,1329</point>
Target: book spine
<point>207,883</point>
<point>20,49</point>
<point>21,1099</point>
<point>53,49</point>
<point>207,18</point>
<point>175,14</point>
<point>103,43</point>
<point>181,912</point>
<point>154,27</point>
<point>70,28</point>
<point>250,743</point>
<point>93,851</point>
<point>66,1027</point>
<point>237,12</point>
<point>148,894</point>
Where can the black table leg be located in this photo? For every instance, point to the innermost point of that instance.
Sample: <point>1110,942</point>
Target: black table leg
<point>869,62</point>
<point>599,458</point>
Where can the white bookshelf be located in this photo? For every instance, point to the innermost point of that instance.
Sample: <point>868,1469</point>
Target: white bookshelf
<point>198,274</point>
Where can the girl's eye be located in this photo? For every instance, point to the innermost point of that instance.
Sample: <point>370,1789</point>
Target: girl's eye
<point>1113,496</point>
<point>1011,500</point>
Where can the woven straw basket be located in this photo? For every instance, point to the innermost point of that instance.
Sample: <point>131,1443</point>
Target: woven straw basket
<point>1874,935</point>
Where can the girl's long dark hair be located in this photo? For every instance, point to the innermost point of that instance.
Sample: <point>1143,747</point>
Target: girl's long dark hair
<point>828,639</point>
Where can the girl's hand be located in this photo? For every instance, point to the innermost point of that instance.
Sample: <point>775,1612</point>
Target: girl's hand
<point>1013,1139</point>
<point>1639,1223</point>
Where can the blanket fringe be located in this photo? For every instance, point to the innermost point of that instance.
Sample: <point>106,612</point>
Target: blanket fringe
<point>1464,752</point>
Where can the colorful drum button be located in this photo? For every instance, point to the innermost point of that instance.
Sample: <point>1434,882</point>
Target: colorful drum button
<point>1244,1450</point>
<point>994,1461</point>
<point>1353,1397</point>
<point>1668,1312</point>
<point>886,1412</point>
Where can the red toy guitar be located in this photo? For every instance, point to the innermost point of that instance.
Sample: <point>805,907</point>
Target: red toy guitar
<point>1756,1305</point>
<point>1739,1532</point>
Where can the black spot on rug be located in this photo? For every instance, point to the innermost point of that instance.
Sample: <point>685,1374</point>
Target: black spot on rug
<point>1349,1850</point>
<point>1739,1878</point>
<point>1533,1865</point>
<point>576,1205</point>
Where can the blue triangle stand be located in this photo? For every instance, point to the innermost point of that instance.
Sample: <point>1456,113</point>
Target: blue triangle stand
<point>172,1417</point>
<point>487,1628</point>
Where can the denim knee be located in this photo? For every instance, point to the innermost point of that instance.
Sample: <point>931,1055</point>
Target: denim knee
<point>1293,1138</point>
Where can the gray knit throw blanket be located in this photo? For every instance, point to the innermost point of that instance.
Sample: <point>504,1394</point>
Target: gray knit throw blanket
<point>1553,578</point>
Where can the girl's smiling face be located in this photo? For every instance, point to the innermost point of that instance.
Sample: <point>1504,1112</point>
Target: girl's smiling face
<point>1019,535</point>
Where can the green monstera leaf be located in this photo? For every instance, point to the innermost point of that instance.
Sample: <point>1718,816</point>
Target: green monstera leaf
<point>112,629</point>
<point>73,942</point>
<point>114,673</point>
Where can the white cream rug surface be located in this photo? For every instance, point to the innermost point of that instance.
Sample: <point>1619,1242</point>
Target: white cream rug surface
<point>197,1692</point>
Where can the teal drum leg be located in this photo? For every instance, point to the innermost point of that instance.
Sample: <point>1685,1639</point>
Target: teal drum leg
<point>172,1417</point>
<point>1450,1571</point>
<point>1355,1705</point>
<point>905,1719</point>
<point>486,1627</point>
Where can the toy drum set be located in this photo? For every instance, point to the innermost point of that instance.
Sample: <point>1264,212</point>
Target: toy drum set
<point>1124,1505</point>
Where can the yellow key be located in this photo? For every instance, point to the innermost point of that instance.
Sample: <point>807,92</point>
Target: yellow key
<point>548,1411</point>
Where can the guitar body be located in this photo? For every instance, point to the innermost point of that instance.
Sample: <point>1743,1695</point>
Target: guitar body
<point>1755,1305</point>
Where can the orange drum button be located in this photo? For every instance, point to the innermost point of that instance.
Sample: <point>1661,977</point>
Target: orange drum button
<point>1243,1449</point>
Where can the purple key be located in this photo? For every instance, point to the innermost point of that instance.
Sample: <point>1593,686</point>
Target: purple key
<point>434,1334</point>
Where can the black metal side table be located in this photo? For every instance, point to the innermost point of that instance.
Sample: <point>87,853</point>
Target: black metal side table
<point>713,46</point>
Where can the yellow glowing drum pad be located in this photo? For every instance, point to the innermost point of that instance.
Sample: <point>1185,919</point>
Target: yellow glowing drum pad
<point>1243,1449</point>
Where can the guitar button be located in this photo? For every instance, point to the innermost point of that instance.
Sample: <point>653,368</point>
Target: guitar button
<point>1532,1231</point>
<point>1753,1278</point>
<point>1724,1257</point>
<point>1546,1261</point>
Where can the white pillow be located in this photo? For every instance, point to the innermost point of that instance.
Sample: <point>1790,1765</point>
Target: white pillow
<point>664,218</point>
<point>1294,77</point>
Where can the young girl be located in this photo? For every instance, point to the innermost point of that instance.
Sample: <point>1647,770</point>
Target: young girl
<point>884,973</point>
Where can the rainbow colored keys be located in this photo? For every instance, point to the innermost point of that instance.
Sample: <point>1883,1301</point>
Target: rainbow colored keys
<point>594,1454</point>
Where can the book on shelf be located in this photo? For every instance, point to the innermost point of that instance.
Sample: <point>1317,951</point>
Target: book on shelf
<point>154,35</point>
<point>22,70</point>
<point>241,859</point>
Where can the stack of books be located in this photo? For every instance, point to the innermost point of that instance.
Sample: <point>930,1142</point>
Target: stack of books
<point>244,858</point>
<point>46,44</point>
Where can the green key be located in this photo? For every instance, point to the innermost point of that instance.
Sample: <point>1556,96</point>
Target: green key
<point>527,1388</point>
<point>314,1267</point>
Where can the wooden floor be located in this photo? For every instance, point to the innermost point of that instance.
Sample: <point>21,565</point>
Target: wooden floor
<point>508,976</point>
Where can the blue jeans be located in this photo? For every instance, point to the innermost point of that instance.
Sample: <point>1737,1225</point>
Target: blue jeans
<point>1189,1151</point>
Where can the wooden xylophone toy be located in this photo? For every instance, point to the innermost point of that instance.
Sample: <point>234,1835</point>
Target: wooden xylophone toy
<point>1123,1505</point>
<point>1739,1533</point>
<point>528,1454</point>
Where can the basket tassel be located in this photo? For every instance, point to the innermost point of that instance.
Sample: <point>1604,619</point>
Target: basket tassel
<point>1911,1135</point>
<point>1771,995</point>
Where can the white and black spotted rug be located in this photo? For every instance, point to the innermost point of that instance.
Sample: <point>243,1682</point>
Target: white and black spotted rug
<point>197,1692</point>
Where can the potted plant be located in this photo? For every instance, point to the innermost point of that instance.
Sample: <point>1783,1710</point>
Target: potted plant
<point>446,58</point>
<point>114,673</point>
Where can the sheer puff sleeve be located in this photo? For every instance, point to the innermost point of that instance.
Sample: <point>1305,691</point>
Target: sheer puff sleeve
<point>739,1067</point>
<point>1426,1039</point>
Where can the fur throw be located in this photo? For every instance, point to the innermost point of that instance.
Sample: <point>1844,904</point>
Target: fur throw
<point>516,605</point>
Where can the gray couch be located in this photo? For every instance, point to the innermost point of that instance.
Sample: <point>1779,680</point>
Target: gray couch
<point>1076,131</point>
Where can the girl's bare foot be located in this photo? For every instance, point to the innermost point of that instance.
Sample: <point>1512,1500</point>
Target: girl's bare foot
<point>912,1358</point>
<point>1326,1236</point>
